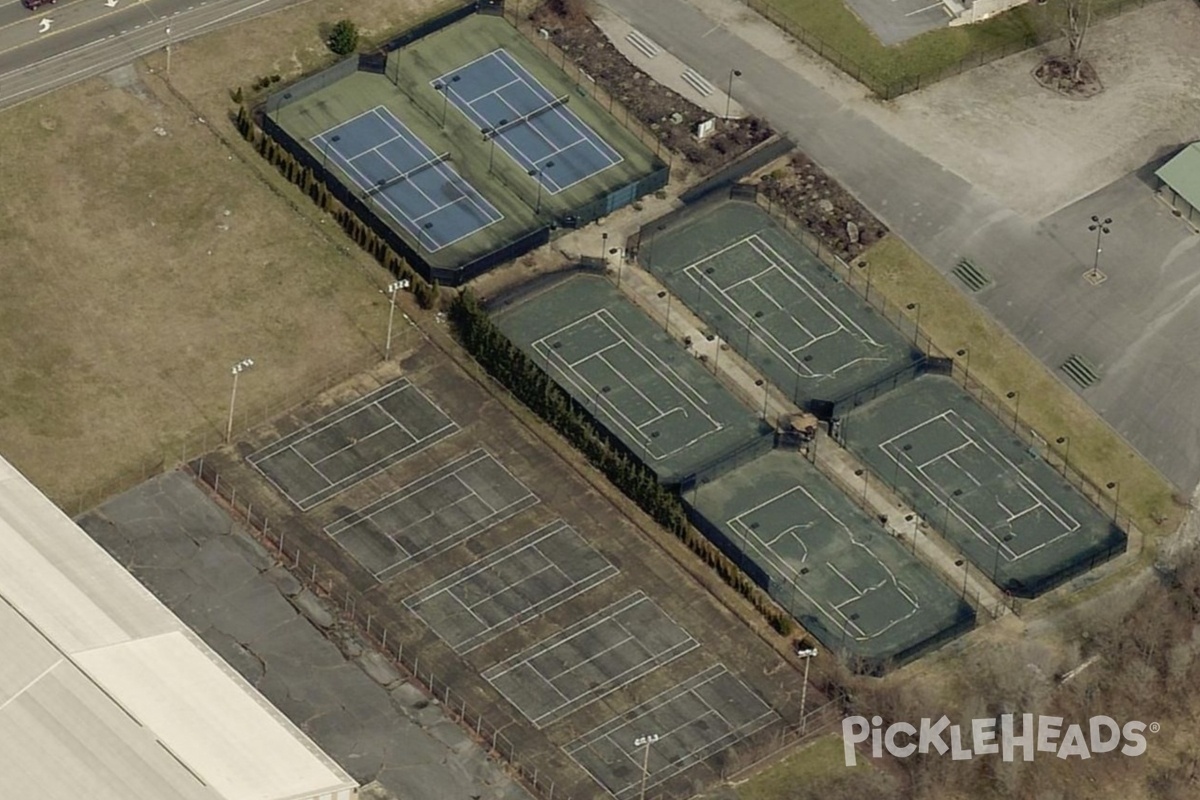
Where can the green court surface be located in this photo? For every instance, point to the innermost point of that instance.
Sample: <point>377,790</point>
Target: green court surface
<point>640,384</point>
<point>406,91</point>
<point>774,302</point>
<point>838,572</point>
<point>967,474</point>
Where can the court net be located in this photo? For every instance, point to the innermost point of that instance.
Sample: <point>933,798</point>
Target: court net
<point>403,176</point>
<point>500,129</point>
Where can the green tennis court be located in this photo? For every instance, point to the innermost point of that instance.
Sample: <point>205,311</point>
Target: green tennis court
<point>639,383</point>
<point>834,568</point>
<point>770,299</point>
<point>998,501</point>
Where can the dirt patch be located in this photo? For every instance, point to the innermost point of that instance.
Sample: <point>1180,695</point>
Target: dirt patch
<point>1075,81</point>
<point>802,189</point>
<point>669,116</point>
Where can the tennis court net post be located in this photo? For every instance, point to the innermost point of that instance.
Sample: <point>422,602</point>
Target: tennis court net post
<point>403,176</point>
<point>537,112</point>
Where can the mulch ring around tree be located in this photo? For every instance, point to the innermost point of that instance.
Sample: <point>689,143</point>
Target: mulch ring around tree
<point>1060,75</point>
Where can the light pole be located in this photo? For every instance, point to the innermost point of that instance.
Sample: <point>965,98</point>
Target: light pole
<point>604,249</point>
<point>645,741</point>
<point>867,266</point>
<point>1117,504</point>
<point>807,654</point>
<point>733,73</point>
<point>244,364</point>
<point>445,88</point>
<point>1008,537</point>
<point>620,265</point>
<point>1067,456</point>
<point>391,290</point>
<point>168,53</point>
<point>765,387</point>
<point>491,134</point>
<point>917,325</point>
<point>1015,396</point>
<point>1100,226</point>
<point>537,173</point>
<point>965,351</point>
<point>667,324</point>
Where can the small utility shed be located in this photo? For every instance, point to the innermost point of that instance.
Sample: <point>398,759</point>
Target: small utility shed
<point>1181,183</point>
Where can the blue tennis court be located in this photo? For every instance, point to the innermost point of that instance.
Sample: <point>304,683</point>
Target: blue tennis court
<point>414,185</point>
<point>534,127</point>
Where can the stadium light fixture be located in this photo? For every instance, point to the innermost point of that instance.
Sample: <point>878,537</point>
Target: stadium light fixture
<point>1101,227</point>
<point>917,325</point>
<point>1117,504</point>
<point>238,368</point>
<point>645,741</point>
<point>1015,396</point>
<point>1065,440</point>
<point>391,290</point>
<point>807,654</point>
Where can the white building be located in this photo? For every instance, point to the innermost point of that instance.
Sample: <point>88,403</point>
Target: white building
<point>106,695</point>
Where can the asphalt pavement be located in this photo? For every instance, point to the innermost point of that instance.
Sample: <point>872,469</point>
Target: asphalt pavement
<point>380,728</point>
<point>76,39</point>
<point>1138,326</point>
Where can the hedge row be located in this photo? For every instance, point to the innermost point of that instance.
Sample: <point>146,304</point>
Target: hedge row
<point>362,234</point>
<point>517,372</point>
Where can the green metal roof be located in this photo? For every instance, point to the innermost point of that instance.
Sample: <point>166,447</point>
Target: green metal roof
<point>1182,174</point>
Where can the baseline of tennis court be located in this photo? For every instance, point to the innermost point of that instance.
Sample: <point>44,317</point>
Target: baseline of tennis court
<point>598,357</point>
<point>693,720</point>
<point>640,384</point>
<point>452,504</point>
<point>590,659</point>
<point>775,303</point>
<point>349,445</point>
<point>821,557</point>
<point>396,170</point>
<point>536,129</point>
<point>1003,505</point>
<point>512,585</point>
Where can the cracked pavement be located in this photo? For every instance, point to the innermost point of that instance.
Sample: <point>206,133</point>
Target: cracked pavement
<point>382,730</point>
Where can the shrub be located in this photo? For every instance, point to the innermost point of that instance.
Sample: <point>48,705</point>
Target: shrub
<point>343,39</point>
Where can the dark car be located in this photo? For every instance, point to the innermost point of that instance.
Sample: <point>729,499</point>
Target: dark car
<point>35,4</point>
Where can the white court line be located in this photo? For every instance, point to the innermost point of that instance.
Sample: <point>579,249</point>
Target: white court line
<point>588,393</point>
<point>974,525</point>
<point>632,721</point>
<point>418,146</point>
<point>752,539</point>
<point>337,416</point>
<point>611,683</point>
<point>790,273</point>
<point>462,578</point>
<point>544,95</point>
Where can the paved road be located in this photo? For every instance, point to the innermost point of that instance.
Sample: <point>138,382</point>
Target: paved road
<point>88,37</point>
<point>1138,327</point>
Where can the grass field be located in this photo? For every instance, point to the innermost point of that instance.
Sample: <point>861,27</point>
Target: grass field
<point>822,758</point>
<point>929,54</point>
<point>154,262</point>
<point>952,321</point>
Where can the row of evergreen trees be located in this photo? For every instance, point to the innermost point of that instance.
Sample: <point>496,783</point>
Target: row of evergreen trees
<point>532,386</point>
<point>426,293</point>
